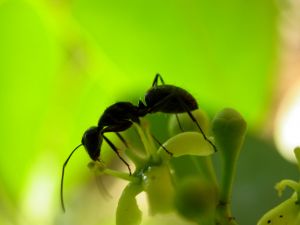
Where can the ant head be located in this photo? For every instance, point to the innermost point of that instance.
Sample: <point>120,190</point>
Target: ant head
<point>92,140</point>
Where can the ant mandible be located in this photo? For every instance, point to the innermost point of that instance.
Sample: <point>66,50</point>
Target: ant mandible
<point>121,115</point>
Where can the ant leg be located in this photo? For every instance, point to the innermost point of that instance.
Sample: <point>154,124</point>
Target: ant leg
<point>117,128</point>
<point>113,147</point>
<point>160,144</point>
<point>154,84</point>
<point>179,124</point>
<point>195,121</point>
<point>122,139</point>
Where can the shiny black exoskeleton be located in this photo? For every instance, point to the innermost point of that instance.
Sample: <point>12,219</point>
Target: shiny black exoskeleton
<point>121,115</point>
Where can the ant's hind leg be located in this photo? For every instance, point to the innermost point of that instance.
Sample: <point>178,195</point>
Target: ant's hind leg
<point>179,124</point>
<point>113,147</point>
<point>154,84</point>
<point>195,121</point>
<point>160,144</point>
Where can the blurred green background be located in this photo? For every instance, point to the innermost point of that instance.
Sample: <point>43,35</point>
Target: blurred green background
<point>63,62</point>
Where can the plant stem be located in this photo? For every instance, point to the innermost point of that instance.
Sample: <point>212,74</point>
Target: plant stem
<point>206,168</point>
<point>224,208</point>
<point>122,175</point>
<point>149,147</point>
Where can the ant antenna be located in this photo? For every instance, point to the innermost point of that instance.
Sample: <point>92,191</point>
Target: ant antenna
<point>62,179</point>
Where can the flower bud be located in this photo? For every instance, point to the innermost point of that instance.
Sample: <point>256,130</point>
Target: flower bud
<point>229,129</point>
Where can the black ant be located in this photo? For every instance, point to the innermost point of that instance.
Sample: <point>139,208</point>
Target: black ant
<point>121,115</point>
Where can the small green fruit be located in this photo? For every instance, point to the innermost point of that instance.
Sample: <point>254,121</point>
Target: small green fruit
<point>196,198</point>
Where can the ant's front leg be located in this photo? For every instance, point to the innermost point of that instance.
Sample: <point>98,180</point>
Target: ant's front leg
<point>178,121</point>
<point>114,148</point>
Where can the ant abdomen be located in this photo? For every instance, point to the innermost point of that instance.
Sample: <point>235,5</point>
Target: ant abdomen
<point>169,99</point>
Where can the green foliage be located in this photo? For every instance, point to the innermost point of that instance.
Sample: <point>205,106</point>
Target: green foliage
<point>63,62</point>
<point>218,47</point>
